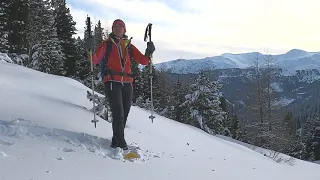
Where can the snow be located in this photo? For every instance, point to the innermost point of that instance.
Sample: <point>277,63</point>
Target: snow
<point>242,60</point>
<point>277,87</point>
<point>276,156</point>
<point>291,61</point>
<point>46,133</point>
<point>283,101</point>
<point>5,58</point>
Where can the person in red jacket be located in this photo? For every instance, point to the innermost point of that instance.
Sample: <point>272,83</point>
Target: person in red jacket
<point>118,79</point>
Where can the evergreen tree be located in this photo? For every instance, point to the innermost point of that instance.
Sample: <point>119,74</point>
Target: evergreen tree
<point>98,35</point>
<point>310,135</point>
<point>204,105</point>
<point>223,104</point>
<point>45,49</point>
<point>138,81</point>
<point>16,25</point>
<point>177,112</point>
<point>235,128</point>
<point>296,149</point>
<point>290,124</point>
<point>65,30</point>
<point>232,121</point>
<point>163,91</point>
<point>97,40</point>
<point>229,119</point>
<point>145,99</point>
<point>34,32</point>
<point>4,31</point>
<point>82,63</point>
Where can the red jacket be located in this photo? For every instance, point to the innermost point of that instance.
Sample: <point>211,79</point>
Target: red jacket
<point>114,61</point>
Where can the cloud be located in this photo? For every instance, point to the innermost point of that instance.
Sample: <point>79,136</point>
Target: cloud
<point>201,28</point>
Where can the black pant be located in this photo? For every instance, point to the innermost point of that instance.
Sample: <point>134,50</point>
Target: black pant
<point>119,97</point>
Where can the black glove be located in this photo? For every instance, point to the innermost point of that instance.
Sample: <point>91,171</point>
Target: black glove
<point>150,49</point>
<point>89,43</point>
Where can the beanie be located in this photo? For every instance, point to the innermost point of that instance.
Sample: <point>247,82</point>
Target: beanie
<point>119,21</point>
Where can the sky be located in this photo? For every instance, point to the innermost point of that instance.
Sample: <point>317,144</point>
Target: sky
<point>191,29</point>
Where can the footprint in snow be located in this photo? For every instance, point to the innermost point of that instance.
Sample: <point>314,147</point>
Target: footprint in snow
<point>64,149</point>
<point>60,158</point>
<point>67,150</point>
<point>5,143</point>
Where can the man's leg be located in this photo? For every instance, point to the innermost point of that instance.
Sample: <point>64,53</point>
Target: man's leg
<point>114,92</point>
<point>127,94</point>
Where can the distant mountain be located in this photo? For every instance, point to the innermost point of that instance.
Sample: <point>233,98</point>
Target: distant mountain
<point>291,61</point>
<point>298,93</point>
<point>296,87</point>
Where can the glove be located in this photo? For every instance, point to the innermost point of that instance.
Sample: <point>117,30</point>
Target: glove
<point>150,49</point>
<point>89,43</point>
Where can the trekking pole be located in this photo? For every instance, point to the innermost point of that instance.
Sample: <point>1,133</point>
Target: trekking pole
<point>148,32</point>
<point>88,45</point>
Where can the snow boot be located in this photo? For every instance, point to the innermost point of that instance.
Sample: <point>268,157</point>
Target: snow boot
<point>118,153</point>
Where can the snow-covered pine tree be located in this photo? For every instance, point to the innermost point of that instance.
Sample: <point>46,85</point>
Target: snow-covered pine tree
<point>98,35</point>
<point>297,149</point>
<point>163,92</point>
<point>143,85</point>
<point>97,40</point>
<point>290,124</point>
<point>34,30</point>
<point>236,130</point>
<point>17,20</point>
<point>157,89</point>
<point>295,146</point>
<point>45,49</point>
<point>4,31</point>
<point>176,111</point>
<point>82,63</point>
<point>51,54</point>
<point>228,116</point>
<point>137,83</point>
<point>203,103</point>
<point>310,135</point>
<point>65,30</point>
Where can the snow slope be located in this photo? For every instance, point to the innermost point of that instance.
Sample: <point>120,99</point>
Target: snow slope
<point>46,133</point>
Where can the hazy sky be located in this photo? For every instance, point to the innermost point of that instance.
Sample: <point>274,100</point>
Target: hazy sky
<point>201,28</point>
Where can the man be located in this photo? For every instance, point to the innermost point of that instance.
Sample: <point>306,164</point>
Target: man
<point>118,79</point>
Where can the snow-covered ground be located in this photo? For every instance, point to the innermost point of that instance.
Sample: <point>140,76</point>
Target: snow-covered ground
<point>46,133</point>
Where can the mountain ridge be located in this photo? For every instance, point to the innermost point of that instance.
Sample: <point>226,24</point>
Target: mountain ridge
<point>294,59</point>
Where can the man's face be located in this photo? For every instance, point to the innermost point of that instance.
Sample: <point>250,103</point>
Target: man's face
<point>118,29</point>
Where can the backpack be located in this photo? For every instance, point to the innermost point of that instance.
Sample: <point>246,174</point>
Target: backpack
<point>104,61</point>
